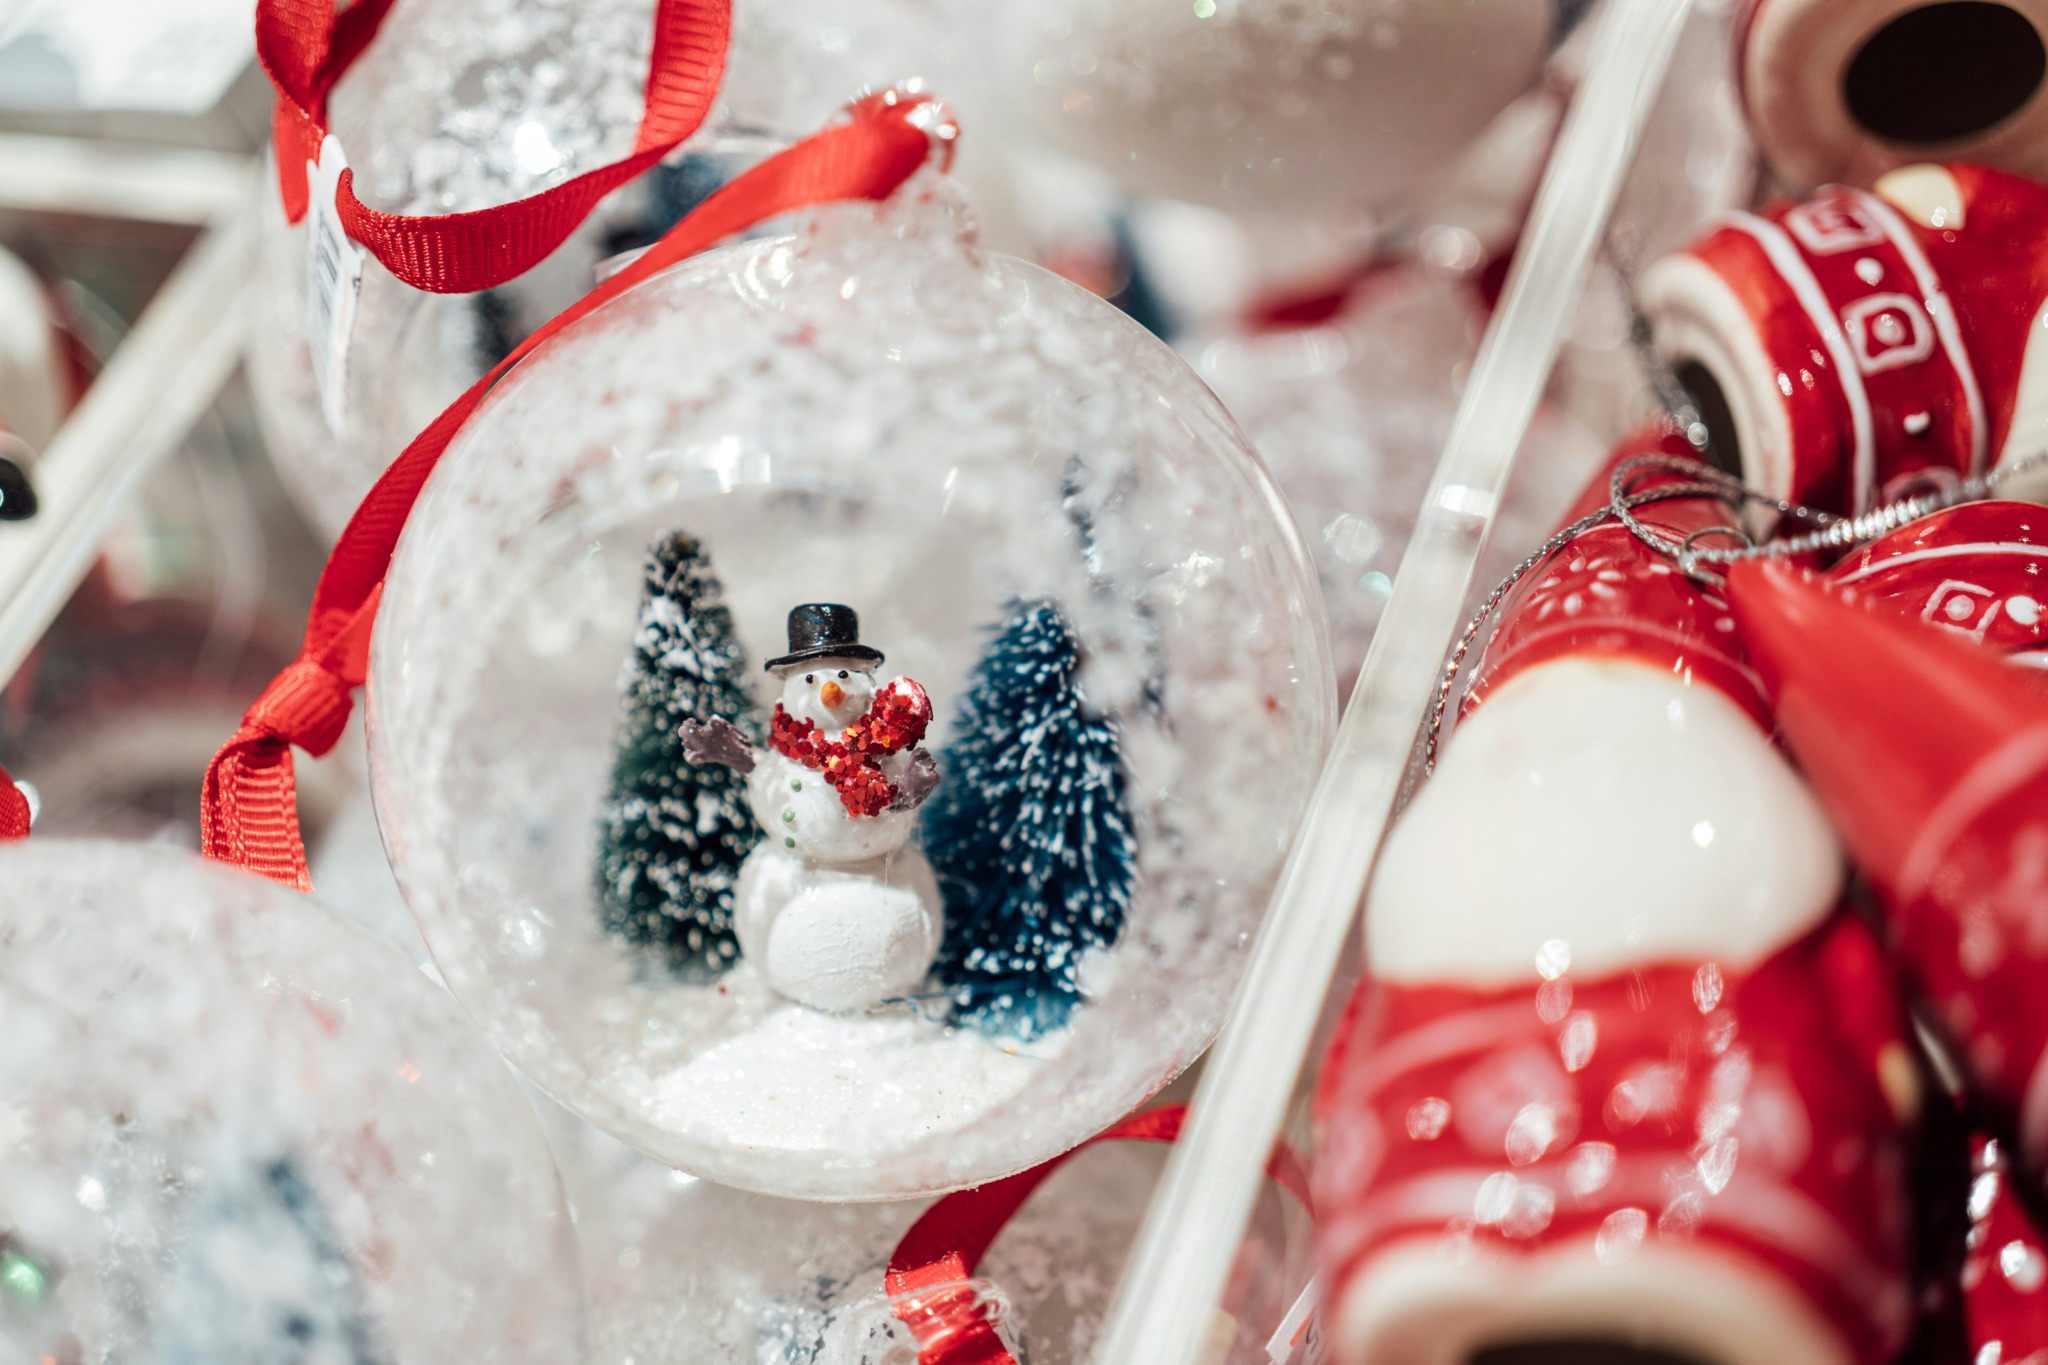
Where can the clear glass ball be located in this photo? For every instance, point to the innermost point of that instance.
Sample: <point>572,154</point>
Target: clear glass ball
<point>1267,106</point>
<point>874,412</point>
<point>237,1128</point>
<point>687,1272</point>
<point>460,105</point>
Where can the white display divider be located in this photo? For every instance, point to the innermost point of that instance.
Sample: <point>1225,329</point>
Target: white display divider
<point>185,185</point>
<point>159,382</point>
<point>1191,1234</point>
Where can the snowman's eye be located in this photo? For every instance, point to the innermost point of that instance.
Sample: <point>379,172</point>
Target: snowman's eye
<point>842,673</point>
<point>810,677</point>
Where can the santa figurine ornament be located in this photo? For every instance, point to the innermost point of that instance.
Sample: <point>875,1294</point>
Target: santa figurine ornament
<point>833,906</point>
<point>1621,1074</point>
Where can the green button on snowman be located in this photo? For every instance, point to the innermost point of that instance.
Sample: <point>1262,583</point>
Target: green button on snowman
<point>834,907</point>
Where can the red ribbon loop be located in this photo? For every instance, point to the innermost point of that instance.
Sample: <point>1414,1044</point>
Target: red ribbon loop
<point>249,801</point>
<point>306,47</point>
<point>926,1279</point>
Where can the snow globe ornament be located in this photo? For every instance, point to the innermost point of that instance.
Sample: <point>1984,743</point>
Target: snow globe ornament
<point>701,865</point>
<point>461,105</point>
<point>241,1131</point>
<point>1272,108</point>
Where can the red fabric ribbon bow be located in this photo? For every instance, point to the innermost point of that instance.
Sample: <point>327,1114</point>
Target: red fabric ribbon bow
<point>897,720</point>
<point>249,806</point>
<point>306,47</point>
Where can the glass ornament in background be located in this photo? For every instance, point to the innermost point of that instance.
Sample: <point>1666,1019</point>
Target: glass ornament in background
<point>241,1131</point>
<point>1695,160</point>
<point>1350,416</point>
<point>462,104</point>
<point>685,1272</point>
<point>877,413</point>
<point>349,866</point>
<point>1287,107</point>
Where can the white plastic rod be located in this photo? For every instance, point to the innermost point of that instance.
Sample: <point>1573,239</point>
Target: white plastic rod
<point>152,184</point>
<point>1177,1270</point>
<point>163,376</point>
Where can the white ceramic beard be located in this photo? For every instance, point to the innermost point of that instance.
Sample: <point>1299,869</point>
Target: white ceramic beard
<point>1620,810</point>
<point>831,906</point>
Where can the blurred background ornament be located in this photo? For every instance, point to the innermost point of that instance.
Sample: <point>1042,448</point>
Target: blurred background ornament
<point>685,1272</point>
<point>1307,106</point>
<point>36,384</point>
<point>244,1131</point>
<point>1845,90</point>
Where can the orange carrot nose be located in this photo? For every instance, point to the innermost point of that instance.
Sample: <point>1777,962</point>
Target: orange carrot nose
<point>831,694</point>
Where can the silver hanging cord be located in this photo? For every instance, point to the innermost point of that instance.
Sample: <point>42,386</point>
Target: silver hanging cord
<point>1695,560</point>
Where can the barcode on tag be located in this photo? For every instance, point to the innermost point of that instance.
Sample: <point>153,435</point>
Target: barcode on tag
<point>334,276</point>
<point>1299,1338</point>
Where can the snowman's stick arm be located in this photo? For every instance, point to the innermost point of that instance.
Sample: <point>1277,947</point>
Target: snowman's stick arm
<point>719,741</point>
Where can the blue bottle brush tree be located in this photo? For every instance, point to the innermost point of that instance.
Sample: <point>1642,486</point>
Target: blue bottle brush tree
<point>1030,833</point>
<point>672,834</point>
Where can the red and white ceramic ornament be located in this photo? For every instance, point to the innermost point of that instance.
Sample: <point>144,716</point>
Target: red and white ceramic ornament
<point>1621,1073</point>
<point>1862,341</point>
<point>1932,758</point>
<point>1979,570</point>
<point>1848,89</point>
<point>2005,1268</point>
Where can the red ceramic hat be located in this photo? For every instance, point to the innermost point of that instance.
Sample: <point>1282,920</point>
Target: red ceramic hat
<point>1932,757</point>
<point>1979,571</point>
<point>1903,730</point>
<point>1609,593</point>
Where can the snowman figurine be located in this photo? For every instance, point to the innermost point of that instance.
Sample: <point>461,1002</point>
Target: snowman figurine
<point>833,906</point>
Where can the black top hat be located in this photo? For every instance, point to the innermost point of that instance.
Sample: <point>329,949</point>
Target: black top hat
<point>824,630</point>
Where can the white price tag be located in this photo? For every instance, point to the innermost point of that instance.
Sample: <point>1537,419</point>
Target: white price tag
<point>334,276</point>
<point>1299,1338</point>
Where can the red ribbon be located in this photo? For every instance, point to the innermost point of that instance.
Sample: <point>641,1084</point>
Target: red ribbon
<point>13,809</point>
<point>928,1277</point>
<point>306,46</point>
<point>249,808</point>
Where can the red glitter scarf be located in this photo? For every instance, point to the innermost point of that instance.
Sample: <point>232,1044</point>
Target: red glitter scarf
<point>896,720</point>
